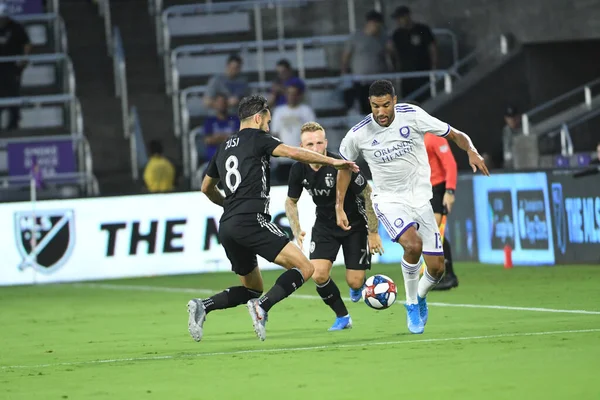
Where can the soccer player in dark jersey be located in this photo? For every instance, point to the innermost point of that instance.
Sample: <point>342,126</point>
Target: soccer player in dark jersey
<point>245,229</point>
<point>358,243</point>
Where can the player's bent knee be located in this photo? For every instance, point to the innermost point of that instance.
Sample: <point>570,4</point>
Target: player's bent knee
<point>320,277</point>
<point>355,279</point>
<point>413,246</point>
<point>435,266</point>
<point>292,257</point>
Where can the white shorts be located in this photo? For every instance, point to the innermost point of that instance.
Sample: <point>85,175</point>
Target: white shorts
<point>397,218</point>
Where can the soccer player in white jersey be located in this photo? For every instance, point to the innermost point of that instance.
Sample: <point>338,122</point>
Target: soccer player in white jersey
<point>391,141</point>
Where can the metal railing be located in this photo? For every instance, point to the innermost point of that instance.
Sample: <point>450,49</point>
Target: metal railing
<point>132,129</point>
<point>298,44</point>
<point>163,37</point>
<point>68,76</point>
<point>105,13</point>
<point>75,114</point>
<point>565,134</point>
<point>120,74</point>
<point>59,31</point>
<point>584,93</point>
<point>181,113</point>
<point>458,66</point>
<point>137,148</point>
<point>87,182</point>
<point>81,147</point>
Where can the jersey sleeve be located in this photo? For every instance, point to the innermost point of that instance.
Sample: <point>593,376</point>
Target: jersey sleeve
<point>265,143</point>
<point>358,183</point>
<point>349,147</point>
<point>212,169</point>
<point>295,181</point>
<point>426,123</point>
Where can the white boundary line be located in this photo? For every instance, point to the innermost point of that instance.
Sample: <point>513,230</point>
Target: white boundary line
<point>297,349</point>
<point>311,297</point>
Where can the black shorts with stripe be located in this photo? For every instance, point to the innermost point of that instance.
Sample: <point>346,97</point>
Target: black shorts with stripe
<point>326,242</point>
<point>245,235</point>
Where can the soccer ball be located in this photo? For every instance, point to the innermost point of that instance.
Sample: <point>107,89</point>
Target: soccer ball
<point>379,292</point>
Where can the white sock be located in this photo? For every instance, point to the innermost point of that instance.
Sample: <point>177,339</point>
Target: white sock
<point>411,280</point>
<point>426,283</point>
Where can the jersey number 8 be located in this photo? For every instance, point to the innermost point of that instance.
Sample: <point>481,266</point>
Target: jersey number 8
<point>231,166</point>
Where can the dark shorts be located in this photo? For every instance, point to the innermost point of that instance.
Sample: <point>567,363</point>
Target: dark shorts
<point>245,235</point>
<point>325,245</point>
<point>437,201</point>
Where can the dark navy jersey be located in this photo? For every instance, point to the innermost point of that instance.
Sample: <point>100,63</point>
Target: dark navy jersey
<point>242,164</point>
<point>320,185</point>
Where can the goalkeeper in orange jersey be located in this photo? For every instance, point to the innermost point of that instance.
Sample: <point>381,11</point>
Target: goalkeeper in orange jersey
<point>443,182</point>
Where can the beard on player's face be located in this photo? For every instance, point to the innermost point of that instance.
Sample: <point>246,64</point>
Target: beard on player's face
<point>383,109</point>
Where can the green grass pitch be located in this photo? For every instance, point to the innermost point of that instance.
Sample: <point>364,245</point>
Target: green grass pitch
<point>128,339</point>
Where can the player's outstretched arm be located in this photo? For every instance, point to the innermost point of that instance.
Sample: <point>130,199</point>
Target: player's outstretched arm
<point>375,244</point>
<point>291,211</point>
<point>311,157</point>
<point>464,142</point>
<point>209,188</point>
<point>341,187</point>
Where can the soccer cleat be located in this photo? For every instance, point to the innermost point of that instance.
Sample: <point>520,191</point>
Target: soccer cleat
<point>413,319</point>
<point>448,282</point>
<point>197,316</point>
<point>356,294</point>
<point>259,318</point>
<point>341,323</point>
<point>423,309</point>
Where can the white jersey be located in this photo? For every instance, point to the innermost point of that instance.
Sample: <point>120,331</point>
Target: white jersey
<point>396,154</point>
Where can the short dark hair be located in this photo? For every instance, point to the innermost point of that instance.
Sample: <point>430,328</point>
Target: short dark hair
<point>401,12</point>
<point>155,146</point>
<point>284,63</point>
<point>374,15</point>
<point>221,94</point>
<point>251,105</point>
<point>381,88</point>
<point>234,57</point>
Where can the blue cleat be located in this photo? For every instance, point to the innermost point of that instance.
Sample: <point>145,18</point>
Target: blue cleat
<point>356,294</point>
<point>341,323</point>
<point>413,319</point>
<point>423,309</point>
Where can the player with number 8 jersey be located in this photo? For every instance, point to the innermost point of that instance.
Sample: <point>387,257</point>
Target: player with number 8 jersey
<point>245,229</point>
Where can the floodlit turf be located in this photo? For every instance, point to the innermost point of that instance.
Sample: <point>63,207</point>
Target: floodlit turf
<point>125,341</point>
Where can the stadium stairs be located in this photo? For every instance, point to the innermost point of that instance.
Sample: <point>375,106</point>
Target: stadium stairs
<point>95,89</point>
<point>529,75</point>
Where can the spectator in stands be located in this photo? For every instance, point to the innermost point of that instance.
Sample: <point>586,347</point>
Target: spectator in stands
<point>14,41</point>
<point>414,49</point>
<point>365,54</point>
<point>596,161</point>
<point>286,123</point>
<point>512,118</point>
<point>232,83</point>
<point>285,74</point>
<point>159,174</point>
<point>219,127</point>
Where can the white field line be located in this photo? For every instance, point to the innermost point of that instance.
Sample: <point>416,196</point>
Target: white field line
<point>312,297</point>
<point>295,349</point>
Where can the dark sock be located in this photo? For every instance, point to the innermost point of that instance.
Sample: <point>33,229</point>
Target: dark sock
<point>286,284</point>
<point>330,294</point>
<point>232,297</point>
<point>448,258</point>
